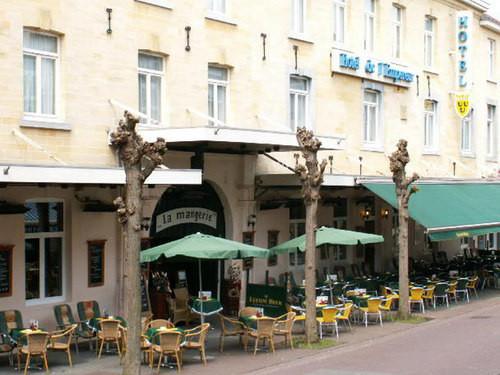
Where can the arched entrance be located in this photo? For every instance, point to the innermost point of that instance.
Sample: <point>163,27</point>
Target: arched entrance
<point>184,210</point>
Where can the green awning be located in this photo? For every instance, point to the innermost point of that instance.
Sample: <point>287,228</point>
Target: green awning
<point>449,210</point>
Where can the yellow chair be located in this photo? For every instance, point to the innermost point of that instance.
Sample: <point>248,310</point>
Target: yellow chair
<point>386,305</point>
<point>284,327</point>
<point>429,295</point>
<point>472,285</point>
<point>373,309</point>
<point>328,319</point>
<point>452,290</point>
<point>416,298</point>
<point>344,314</point>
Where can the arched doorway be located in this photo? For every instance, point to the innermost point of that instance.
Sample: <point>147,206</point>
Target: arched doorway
<point>184,210</point>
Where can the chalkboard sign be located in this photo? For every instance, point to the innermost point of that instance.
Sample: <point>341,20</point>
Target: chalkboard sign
<point>6,270</point>
<point>96,265</point>
<point>145,304</point>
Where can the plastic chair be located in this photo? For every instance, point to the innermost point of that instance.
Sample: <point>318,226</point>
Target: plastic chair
<point>180,306</point>
<point>36,347</point>
<point>9,320</point>
<point>194,339</point>
<point>441,292</point>
<point>416,298</point>
<point>328,319</point>
<point>429,295</point>
<point>452,290</point>
<point>344,314</point>
<point>169,344</point>
<point>88,310</point>
<point>473,284</point>
<point>61,341</point>
<point>386,305</point>
<point>109,333</point>
<point>230,327</point>
<point>372,310</point>
<point>265,330</point>
<point>284,327</point>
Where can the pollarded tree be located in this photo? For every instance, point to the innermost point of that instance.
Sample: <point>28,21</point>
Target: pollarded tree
<point>139,159</point>
<point>398,161</point>
<point>311,177</point>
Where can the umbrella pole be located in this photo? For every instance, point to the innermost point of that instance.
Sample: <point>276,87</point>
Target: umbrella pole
<point>218,279</point>
<point>202,319</point>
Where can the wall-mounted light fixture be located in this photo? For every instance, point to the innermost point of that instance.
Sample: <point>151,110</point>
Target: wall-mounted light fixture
<point>384,213</point>
<point>365,213</point>
<point>252,219</point>
<point>109,11</point>
<point>145,223</point>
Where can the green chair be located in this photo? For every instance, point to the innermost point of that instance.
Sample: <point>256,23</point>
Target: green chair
<point>65,319</point>
<point>462,288</point>
<point>441,292</point>
<point>10,321</point>
<point>88,310</point>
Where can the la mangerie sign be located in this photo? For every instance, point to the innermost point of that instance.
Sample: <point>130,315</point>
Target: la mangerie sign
<point>344,62</point>
<point>186,215</point>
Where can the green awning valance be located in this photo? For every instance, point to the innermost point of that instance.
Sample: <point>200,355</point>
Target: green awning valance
<point>449,210</point>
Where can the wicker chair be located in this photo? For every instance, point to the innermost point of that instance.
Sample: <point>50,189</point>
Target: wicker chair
<point>180,306</point>
<point>36,347</point>
<point>109,333</point>
<point>195,340</point>
<point>265,330</point>
<point>61,341</point>
<point>230,327</point>
<point>65,319</point>
<point>248,311</point>
<point>157,323</point>
<point>169,344</point>
<point>284,327</point>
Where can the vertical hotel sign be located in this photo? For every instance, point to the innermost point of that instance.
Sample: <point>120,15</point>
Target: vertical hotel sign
<point>464,52</point>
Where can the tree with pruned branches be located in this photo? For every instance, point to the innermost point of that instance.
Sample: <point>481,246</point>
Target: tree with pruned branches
<point>139,160</point>
<point>404,190</point>
<point>311,177</point>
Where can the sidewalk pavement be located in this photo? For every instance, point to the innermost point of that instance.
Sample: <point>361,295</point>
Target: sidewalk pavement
<point>235,361</point>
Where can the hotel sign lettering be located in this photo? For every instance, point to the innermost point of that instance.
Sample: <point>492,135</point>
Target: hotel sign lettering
<point>463,36</point>
<point>186,215</point>
<point>344,62</point>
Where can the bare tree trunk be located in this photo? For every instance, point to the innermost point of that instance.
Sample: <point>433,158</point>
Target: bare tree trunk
<point>310,272</point>
<point>311,177</point>
<point>139,160</point>
<point>403,261</point>
<point>398,161</point>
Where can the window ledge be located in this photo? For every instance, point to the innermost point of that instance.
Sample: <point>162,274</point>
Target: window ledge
<point>431,153</point>
<point>159,3</point>
<point>430,71</point>
<point>492,81</point>
<point>300,37</point>
<point>491,159</point>
<point>468,155</point>
<point>220,18</point>
<point>44,123</point>
<point>44,301</point>
<point>372,148</point>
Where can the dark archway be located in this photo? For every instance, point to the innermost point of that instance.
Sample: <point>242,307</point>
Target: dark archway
<point>184,210</point>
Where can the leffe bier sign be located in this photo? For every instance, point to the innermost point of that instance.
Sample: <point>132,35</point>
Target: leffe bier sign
<point>186,215</point>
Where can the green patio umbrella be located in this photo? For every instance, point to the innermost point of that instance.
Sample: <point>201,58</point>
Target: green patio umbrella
<point>325,235</point>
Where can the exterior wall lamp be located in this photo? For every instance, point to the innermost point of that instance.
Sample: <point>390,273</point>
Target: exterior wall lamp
<point>252,219</point>
<point>145,223</point>
<point>365,213</point>
<point>384,213</point>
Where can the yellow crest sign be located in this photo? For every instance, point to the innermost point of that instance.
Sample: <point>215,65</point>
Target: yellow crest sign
<point>462,104</point>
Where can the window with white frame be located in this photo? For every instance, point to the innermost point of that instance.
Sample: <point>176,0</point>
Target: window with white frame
<point>430,126</point>
<point>150,87</point>
<point>369,35</point>
<point>491,132</point>
<point>371,117</point>
<point>466,134</point>
<point>299,102</point>
<point>298,16</point>
<point>217,6</point>
<point>397,30</point>
<point>339,21</point>
<point>218,81</point>
<point>429,41</point>
<point>491,57</point>
<point>44,251</point>
<point>40,60</point>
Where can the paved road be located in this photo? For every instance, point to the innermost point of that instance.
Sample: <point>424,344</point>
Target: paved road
<point>467,344</point>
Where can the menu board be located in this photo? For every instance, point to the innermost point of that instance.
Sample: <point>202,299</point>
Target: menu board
<point>96,264</point>
<point>6,270</point>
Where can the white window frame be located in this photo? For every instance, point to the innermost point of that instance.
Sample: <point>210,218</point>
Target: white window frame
<point>377,142</point>
<point>339,23</point>
<point>296,22</point>
<point>397,30</point>
<point>491,58</point>
<point>149,73</point>
<point>296,93</point>
<point>369,27</point>
<point>213,84</point>
<point>491,131</point>
<point>214,8</point>
<point>434,129</point>
<point>41,236</point>
<point>469,120</point>
<point>39,54</point>
<point>429,47</point>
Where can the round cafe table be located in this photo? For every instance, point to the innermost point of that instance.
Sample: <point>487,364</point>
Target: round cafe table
<point>204,308</point>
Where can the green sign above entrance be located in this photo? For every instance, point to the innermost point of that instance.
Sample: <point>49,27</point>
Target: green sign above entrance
<point>271,298</point>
